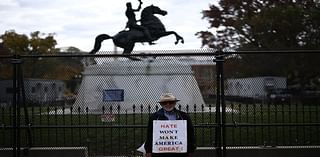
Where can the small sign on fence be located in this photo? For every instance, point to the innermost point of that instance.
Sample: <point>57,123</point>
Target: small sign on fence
<point>107,118</point>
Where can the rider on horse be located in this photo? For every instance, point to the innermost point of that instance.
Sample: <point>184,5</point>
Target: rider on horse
<point>132,22</point>
<point>127,39</point>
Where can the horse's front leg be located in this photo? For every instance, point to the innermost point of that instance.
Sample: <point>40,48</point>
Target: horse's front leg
<point>128,49</point>
<point>178,37</point>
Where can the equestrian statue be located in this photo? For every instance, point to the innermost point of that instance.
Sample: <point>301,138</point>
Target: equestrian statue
<point>151,29</point>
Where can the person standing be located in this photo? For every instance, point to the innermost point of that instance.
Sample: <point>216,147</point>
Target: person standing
<point>169,117</point>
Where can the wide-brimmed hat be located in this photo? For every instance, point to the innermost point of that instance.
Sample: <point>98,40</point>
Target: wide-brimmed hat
<point>165,97</point>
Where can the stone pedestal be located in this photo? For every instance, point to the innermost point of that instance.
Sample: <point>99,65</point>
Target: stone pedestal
<point>138,83</point>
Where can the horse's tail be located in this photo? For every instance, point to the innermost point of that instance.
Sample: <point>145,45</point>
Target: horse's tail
<point>98,41</point>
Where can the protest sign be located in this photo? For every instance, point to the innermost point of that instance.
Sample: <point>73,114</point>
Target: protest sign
<point>169,136</point>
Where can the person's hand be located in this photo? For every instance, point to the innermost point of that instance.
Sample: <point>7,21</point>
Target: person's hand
<point>148,155</point>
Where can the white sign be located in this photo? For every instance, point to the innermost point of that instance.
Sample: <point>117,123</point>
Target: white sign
<point>169,136</point>
<point>107,118</point>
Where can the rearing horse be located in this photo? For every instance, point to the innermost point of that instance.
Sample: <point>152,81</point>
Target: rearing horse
<point>127,39</point>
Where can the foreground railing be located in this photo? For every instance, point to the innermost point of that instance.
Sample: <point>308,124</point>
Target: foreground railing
<point>121,133</point>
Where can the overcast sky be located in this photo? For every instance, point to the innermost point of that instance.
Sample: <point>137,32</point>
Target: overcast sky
<point>77,22</point>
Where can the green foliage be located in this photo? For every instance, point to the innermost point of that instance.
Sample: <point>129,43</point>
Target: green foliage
<point>268,25</point>
<point>39,67</point>
<point>72,49</point>
<point>37,43</point>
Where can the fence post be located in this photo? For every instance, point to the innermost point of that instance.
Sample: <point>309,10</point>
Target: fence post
<point>19,98</point>
<point>16,109</point>
<point>223,105</point>
<point>218,121</point>
<point>220,106</point>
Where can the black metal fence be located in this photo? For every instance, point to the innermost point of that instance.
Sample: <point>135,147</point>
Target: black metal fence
<point>39,96</point>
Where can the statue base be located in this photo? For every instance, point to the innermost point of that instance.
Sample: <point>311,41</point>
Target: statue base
<point>118,86</point>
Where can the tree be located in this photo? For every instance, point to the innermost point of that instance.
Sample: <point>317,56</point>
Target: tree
<point>72,49</point>
<point>263,24</point>
<point>268,25</point>
<point>37,43</point>
<point>5,70</point>
<point>38,67</point>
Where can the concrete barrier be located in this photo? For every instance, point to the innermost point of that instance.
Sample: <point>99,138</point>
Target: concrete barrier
<point>47,152</point>
<point>280,151</point>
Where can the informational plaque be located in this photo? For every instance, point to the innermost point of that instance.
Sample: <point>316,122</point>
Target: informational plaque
<point>169,136</point>
<point>110,95</point>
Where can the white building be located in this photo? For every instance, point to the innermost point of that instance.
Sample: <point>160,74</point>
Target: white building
<point>36,90</point>
<point>254,87</point>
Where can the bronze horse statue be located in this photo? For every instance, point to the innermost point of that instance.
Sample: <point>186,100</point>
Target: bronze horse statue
<point>127,39</point>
